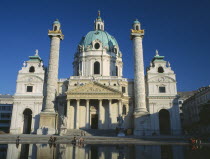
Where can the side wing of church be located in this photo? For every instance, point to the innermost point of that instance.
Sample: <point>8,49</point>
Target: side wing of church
<point>97,94</point>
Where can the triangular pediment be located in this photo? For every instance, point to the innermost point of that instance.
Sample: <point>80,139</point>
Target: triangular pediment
<point>93,88</point>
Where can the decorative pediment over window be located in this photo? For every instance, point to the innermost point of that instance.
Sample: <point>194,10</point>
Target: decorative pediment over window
<point>30,79</point>
<point>93,90</point>
<point>161,79</point>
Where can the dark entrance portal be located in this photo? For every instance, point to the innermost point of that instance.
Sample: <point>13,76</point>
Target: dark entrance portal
<point>27,121</point>
<point>164,122</point>
<point>94,121</point>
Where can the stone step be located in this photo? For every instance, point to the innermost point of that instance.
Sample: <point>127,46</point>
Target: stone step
<point>91,132</point>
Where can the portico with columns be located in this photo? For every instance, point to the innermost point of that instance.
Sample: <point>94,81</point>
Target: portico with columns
<point>94,106</point>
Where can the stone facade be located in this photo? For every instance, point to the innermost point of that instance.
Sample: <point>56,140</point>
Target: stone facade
<point>162,94</point>
<point>28,98</point>
<point>97,94</point>
<point>191,108</point>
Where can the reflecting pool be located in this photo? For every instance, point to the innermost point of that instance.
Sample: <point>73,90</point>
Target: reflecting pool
<point>69,151</point>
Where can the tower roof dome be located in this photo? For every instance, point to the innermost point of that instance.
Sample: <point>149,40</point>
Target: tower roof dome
<point>136,21</point>
<point>56,22</point>
<point>107,41</point>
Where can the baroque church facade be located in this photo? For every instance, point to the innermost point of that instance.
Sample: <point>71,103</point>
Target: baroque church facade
<point>97,93</point>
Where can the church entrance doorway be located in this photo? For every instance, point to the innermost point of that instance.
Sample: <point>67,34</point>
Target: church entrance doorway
<point>27,121</point>
<point>164,122</point>
<point>94,121</point>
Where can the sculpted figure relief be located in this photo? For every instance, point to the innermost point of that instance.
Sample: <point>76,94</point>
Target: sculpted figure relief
<point>63,121</point>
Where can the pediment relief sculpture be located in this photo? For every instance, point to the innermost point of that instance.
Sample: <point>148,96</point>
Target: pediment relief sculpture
<point>94,87</point>
<point>31,79</point>
<point>161,79</point>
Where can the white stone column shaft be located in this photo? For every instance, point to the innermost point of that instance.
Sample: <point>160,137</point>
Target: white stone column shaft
<point>139,81</point>
<point>52,74</point>
<point>77,114</point>
<point>68,112</point>
<point>99,114</point>
<point>110,114</point>
<point>87,114</point>
<point>119,107</point>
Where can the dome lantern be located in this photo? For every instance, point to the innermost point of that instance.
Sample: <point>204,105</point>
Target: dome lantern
<point>136,25</point>
<point>99,24</point>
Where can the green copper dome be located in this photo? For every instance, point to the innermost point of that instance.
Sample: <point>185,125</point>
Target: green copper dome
<point>136,21</point>
<point>105,38</point>
<point>56,22</point>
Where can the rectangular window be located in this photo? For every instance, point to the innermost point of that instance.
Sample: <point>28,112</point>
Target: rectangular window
<point>123,89</point>
<point>29,89</point>
<point>124,111</point>
<point>162,89</point>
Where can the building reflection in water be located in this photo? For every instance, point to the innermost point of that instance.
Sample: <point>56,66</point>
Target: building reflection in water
<point>68,151</point>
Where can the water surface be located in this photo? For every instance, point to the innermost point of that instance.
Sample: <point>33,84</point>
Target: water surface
<point>69,151</point>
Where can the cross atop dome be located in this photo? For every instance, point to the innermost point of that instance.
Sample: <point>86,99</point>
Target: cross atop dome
<point>99,24</point>
<point>99,14</point>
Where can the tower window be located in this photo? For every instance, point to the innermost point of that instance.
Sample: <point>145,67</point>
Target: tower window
<point>162,89</point>
<point>116,71</point>
<point>98,26</point>
<point>55,28</point>
<point>97,46</point>
<point>137,27</point>
<point>115,50</point>
<point>32,69</point>
<point>124,111</point>
<point>29,89</point>
<point>123,89</point>
<point>160,70</point>
<point>96,67</point>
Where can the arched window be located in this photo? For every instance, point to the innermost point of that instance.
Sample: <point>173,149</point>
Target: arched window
<point>55,28</point>
<point>164,122</point>
<point>27,121</point>
<point>115,50</point>
<point>160,70</point>
<point>32,69</point>
<point>98,26</point>
<point>116,71</point>
<point>96,67</point>
<point>137,27</point>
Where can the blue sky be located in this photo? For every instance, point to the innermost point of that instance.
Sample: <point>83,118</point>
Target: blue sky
<point>179,29</point>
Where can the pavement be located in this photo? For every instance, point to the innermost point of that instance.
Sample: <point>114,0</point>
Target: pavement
<point>146,140</point>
